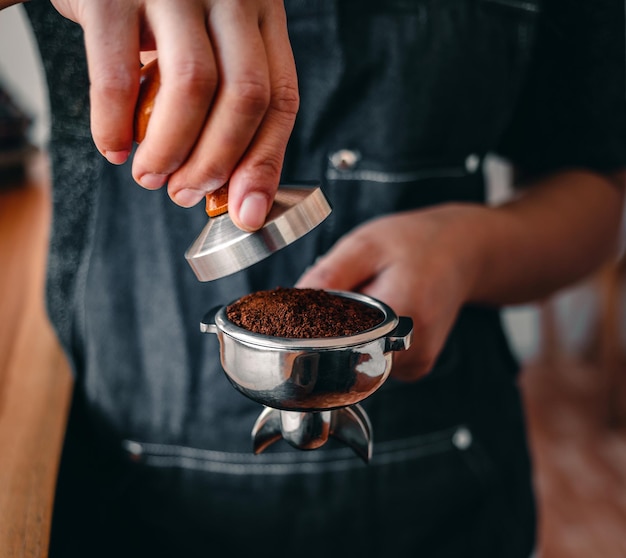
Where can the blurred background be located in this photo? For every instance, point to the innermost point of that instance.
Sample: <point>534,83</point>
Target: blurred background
<point>21,74</point>
<point>571,347</point>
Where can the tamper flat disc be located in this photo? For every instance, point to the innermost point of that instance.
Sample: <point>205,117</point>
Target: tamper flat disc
<point>223,249</point>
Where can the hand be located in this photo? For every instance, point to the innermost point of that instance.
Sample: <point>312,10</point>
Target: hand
<point>227,101</point>
<point>419,263</point>
<point>426,264</point>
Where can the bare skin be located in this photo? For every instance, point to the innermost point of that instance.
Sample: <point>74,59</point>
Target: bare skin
<point>553,234</point>
<point>227,102</point>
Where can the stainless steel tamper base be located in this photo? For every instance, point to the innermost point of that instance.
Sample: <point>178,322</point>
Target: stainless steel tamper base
<point>311,429</point>
<point>223,249</point>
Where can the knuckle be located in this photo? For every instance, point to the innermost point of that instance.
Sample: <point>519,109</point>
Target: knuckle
<point>249,97</point>
<point>110,84</point>
<point>216,169</point>
<point>362,243</point>
<point>269,165</point>
<point>325,274</point>
<point>213,173</point>
<point>195,78</point>
<point>209,173</point>
<point>286,97</point>
<point>262,165</point>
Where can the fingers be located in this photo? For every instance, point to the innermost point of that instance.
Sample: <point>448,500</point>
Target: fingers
<point>189,77</point>
<point>362,262</point>
<point>240,104</point>
<point>246,134</point>
<point>255,180</point>
<point>352,263</point>
<point>226,103</point>
<point>112,44</point>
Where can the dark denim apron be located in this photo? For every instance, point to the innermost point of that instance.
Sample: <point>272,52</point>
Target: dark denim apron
<point>401,101</point>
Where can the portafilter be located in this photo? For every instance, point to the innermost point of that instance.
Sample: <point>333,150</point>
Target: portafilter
<point>311,388</point>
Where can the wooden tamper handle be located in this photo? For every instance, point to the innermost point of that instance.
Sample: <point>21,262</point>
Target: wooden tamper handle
<point>149,83</point>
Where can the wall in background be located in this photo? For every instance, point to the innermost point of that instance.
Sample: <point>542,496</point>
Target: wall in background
<point>21,73</point>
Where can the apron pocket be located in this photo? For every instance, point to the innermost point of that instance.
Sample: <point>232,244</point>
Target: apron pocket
<point>398,505</point>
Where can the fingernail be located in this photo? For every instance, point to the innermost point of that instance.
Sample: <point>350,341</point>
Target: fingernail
<point>253,211</point>
<point>117,157</point>
<point>153,181</point>
<point>188,197</point>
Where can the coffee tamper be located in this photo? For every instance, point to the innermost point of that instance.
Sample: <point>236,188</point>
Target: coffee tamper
<point>222,248</point>
<point>311,388</point>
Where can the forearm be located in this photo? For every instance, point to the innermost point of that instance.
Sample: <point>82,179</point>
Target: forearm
<point>553,234</point>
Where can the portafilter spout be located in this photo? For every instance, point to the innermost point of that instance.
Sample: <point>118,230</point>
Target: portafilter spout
<point>308,430</point>
<point>222,248</point>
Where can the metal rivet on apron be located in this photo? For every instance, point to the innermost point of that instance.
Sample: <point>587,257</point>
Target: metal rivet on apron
<point>344,159</point>
<point>462,438</point>
<point>134,449</point>
<point>472,162</point>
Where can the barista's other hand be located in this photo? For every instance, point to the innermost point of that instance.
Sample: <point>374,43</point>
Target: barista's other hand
<point>419,263</point>
<point>226,104</point>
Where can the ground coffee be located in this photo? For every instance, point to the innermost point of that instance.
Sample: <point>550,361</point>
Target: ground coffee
<point>302,314</point>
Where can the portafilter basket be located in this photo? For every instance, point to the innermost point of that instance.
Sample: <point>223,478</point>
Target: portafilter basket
<point>311,388</point>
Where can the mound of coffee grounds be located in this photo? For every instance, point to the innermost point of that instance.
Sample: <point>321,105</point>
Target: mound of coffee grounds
<point>302,314</point>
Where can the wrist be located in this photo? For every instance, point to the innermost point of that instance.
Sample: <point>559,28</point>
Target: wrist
<point>464,245</point>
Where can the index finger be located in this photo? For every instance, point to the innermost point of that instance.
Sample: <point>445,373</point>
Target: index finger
<point>188,79</point>
<point>351,263</point>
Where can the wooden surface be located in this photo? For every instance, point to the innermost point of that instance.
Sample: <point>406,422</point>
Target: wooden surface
<point>35,383</point>
<point>575,401</point>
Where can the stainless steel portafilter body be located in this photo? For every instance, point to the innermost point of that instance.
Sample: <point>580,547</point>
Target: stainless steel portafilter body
<point>311,388</point>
